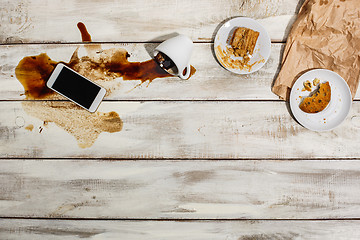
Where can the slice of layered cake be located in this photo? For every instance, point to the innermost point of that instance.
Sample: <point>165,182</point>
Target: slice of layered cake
<point>243,41</point>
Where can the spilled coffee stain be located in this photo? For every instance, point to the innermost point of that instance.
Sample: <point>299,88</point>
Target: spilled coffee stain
<point>101,66</point>
<point>83,125</point>
<point>107,65</point>
<point>33,73</point>
<point>114,62</point>
<point>85,36</point>
<point>29,127</point>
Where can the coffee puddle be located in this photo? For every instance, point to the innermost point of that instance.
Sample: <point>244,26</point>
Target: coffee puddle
<point>33,72</point>
<point>100,66</point>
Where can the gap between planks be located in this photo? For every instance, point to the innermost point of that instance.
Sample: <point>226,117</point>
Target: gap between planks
<point>108,42</point>
<point>154,100</point>
<point>182,220</point>
<point>175,159</point>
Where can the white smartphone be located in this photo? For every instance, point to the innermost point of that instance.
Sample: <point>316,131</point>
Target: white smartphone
<point>76,88</point>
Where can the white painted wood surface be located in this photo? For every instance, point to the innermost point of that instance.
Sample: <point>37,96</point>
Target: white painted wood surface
<point>178,230</point>
<point>137,20</point>
<point>210,81</point>
<point>207,129</point>
<point>198,140</point>
<point>182,189</point>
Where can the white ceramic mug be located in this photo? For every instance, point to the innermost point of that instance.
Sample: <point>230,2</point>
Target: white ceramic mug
<point>179,50</point>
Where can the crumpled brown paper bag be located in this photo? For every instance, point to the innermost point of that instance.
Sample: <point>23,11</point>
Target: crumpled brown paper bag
<point>326,34</point>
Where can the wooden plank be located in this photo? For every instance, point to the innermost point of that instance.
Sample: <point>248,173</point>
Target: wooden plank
<point>197,189</point>
<point>169,130</point>
<point>210,81</point>
<point>196,230</point>
<point>136,21</point>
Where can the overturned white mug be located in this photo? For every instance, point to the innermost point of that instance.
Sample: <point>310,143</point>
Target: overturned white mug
<point>174,54</point>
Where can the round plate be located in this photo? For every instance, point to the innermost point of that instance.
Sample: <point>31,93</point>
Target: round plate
<point>222,43</point>
<point>334,113</point>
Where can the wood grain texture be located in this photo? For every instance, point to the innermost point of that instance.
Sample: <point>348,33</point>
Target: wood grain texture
<point>210,81</point>
<point>135,21</point>
<point>164,230</point>
<point>196,189</point>
<point>177,130</point>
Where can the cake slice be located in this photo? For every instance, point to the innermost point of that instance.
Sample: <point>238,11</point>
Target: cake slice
<point>318,100</point>
<point>243,41</point>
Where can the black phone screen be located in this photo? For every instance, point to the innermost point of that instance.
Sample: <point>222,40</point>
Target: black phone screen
<point>76,87</point>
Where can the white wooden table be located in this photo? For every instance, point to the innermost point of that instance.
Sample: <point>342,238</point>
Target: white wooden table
<point>217,156</point>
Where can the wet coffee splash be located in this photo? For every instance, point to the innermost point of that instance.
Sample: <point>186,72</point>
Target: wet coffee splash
<point>113,63</point>
<point>33,72</point>
<point>85,35</point>
<point>101,66</point>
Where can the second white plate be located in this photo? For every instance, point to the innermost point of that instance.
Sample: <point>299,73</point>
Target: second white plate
<point>336,111</point>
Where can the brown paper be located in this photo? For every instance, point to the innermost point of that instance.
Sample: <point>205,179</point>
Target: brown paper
<point>326,34</point>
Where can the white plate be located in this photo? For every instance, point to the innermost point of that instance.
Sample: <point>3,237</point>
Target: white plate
<point>337,109</point>
<point>261,51</point>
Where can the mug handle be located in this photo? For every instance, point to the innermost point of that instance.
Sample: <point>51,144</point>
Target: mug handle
<point>187,74</point>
